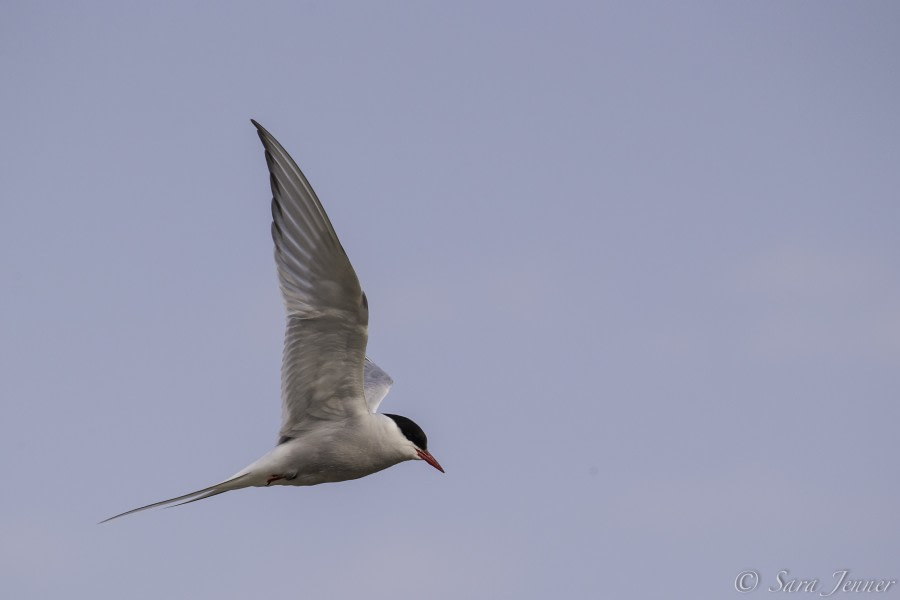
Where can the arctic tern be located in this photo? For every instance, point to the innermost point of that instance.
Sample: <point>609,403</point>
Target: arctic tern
<point>330,390</point>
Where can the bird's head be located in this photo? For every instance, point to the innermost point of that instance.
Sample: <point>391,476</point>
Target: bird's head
<point>417,440</point>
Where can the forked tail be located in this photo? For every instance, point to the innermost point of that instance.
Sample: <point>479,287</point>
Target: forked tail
<point>235,483</point>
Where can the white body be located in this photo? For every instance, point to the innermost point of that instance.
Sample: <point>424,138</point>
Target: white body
<point>334,451</point>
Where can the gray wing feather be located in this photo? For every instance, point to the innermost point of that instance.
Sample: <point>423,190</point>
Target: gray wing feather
<point>327,312</point>
<point>377,384</point>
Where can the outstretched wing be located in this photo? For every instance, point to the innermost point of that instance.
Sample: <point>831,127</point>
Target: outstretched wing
<point>327,312</point>
<point>377,384</point>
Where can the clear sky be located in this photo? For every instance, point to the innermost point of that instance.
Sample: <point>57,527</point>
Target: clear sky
<point>634,267</point>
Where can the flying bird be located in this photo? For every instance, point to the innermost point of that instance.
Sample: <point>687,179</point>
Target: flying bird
<point>330,391</point>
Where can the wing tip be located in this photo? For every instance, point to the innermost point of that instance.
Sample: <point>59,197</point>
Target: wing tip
<point>263,133</point>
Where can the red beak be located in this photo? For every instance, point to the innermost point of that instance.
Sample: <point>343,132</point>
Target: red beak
<point>427,457</point>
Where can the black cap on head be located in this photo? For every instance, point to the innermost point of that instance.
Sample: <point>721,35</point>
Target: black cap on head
<point>412,431</point>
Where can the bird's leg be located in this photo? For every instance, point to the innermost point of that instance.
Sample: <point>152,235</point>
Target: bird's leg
<point>287,477</point>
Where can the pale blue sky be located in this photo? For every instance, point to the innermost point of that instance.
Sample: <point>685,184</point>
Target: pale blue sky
<point>634,267</point>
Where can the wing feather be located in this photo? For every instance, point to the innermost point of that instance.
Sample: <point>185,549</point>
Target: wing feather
<point>327,314</point>
<point>377,385</point>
